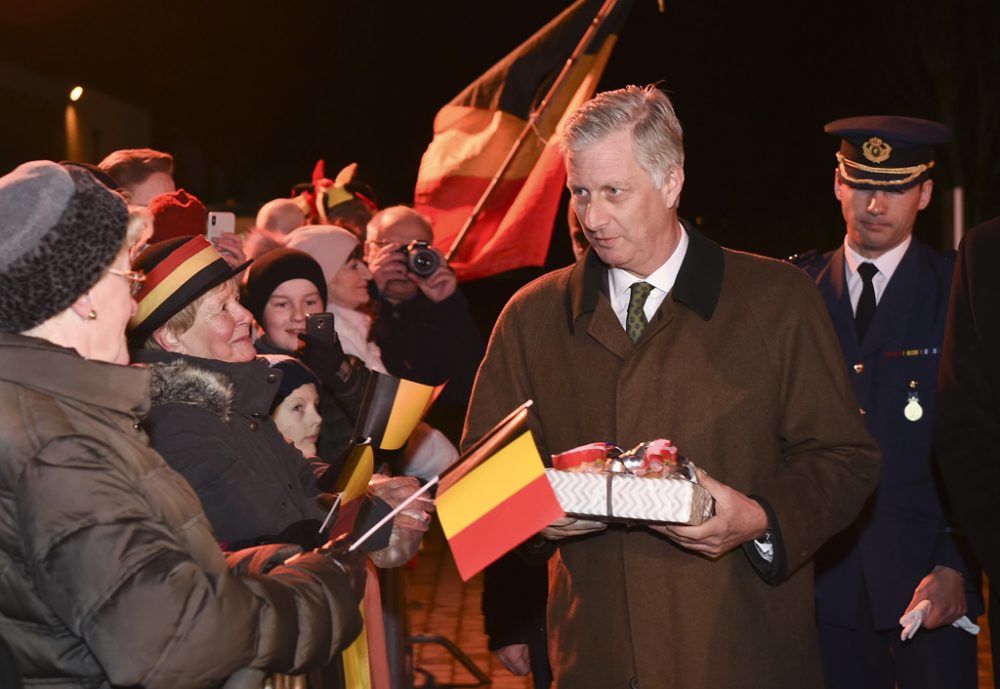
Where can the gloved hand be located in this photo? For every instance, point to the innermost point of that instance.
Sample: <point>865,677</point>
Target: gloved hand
<point>352,563</point>
<point>328,361</point>
<point>408,526</point>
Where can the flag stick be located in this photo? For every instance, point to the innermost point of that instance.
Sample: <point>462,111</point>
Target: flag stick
<point>602,14</point>
<point>329,515</point>
<point>399,508</point>
<point>434,481</point>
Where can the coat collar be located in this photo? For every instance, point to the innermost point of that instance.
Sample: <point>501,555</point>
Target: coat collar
<point>219,386</point>
<point>698,284</point>
<point>38,364</point>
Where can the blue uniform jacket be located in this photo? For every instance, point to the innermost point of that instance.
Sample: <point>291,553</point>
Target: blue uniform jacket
<point>903,532</point>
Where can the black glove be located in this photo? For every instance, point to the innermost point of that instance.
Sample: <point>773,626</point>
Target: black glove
<point>352,563</point>
<point>326,358</point>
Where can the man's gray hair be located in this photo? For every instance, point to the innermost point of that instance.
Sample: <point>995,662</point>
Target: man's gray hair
<point>645,111</point>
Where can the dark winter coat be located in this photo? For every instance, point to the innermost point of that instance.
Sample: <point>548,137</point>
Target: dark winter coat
<point>740,369</point>
<point>210,420</point>
<point>109,571</point>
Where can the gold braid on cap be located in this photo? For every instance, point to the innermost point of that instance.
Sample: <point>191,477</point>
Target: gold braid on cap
<point>913,172</point>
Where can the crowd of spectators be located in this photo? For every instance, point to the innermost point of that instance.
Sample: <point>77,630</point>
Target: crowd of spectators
<point>170,426</point>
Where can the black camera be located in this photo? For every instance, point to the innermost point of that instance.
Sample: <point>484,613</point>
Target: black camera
<point>420,258</point>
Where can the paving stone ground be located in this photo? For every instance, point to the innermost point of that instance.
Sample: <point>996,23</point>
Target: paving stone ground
<point>439,603</point>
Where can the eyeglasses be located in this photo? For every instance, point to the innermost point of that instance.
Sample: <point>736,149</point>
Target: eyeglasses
<point>136,277</point>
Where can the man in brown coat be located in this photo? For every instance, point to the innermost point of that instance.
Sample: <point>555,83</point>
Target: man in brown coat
<point>660,333</point>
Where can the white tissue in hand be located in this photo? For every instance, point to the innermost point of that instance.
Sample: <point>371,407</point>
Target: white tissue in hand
<point>912,620</point>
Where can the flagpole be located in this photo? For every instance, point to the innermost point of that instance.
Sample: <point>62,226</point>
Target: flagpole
<point>599,18</point>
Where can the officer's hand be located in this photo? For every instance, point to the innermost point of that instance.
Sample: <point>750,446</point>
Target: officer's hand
<point>737,519</point>
<point>944,587</point>
<point>516,658</point>
<point>567,527</point>
<point>440,284</point>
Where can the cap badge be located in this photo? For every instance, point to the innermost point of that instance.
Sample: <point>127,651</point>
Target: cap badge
<point>876,150</point>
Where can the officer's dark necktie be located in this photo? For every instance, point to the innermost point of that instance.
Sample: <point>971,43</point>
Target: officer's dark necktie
<point>635,319</point>
<point>866,304</point>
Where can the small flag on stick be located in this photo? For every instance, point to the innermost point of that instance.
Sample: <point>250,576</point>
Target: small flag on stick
<point>392,408</point>
<point>494,497</point>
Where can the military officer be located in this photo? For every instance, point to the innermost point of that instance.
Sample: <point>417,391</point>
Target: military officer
<point>887,294</point>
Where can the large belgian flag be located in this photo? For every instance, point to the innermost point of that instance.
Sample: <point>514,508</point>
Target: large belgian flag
<point>474,133</point>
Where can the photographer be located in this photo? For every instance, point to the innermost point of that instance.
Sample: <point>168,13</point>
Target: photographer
<point>423,325</point>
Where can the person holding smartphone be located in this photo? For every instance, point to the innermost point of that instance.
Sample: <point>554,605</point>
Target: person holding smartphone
<point>284,288</point>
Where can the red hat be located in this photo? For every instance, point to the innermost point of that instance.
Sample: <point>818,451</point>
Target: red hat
<point>177,214</point>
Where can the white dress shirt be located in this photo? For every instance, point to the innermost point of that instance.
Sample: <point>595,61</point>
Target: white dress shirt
<point>886,264</point>
<point>662,279</point>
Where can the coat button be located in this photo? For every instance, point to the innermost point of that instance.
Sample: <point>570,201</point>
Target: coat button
<point>254,426</point>
<point>135,426</point>
<point>255,414</point>
<point>862,410</point>
<point>272,377</point>
<point>289,486</point>
<point>633,683</point>
<point>859,368</point>
<point>914,385</point>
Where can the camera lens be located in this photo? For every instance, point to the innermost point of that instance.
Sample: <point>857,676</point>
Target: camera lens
<point>421,259</point>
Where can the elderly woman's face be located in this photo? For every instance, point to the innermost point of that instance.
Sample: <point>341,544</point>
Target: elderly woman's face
<point>221,328</point>
<point>298,419</point>
<point>111,298</point>
<point>286,310</point>
<point>349,287</point>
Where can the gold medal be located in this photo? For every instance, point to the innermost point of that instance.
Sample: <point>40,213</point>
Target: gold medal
<point>913,411</point>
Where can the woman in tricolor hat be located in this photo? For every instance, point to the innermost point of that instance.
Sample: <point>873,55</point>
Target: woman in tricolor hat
<point>211,398</point>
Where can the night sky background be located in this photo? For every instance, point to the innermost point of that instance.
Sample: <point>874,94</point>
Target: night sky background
<point>255,92</point>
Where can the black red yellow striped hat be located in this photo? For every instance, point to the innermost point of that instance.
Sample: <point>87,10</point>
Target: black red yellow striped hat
<point>178,271</point>
<point>886,152</point>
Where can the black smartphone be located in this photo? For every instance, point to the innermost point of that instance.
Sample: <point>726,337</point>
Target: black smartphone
<point>320,326</point>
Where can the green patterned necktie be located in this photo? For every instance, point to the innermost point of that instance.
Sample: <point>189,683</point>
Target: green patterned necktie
<point>635,319</point>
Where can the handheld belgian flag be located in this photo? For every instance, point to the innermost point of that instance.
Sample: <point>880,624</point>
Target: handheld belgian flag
<point>390,411</point>
<point>491,178</point>
<point>494,497</point>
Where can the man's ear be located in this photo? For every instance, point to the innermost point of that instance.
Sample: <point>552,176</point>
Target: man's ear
<point>672,186</point>
<point>836,184</point>
<point>926,189</point>
<point>168,341</point>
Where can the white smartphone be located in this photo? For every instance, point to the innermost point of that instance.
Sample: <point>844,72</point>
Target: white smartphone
<point>219,223</point>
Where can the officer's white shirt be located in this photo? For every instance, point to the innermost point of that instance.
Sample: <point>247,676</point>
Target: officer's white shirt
<point>886,264</point>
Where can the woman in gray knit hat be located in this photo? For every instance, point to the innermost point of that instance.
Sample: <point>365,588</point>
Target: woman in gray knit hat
<point>109,571</point>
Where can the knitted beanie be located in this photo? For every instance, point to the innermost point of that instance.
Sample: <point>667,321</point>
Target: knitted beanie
<point>272,270</point>
<point>330,246</point>
<point>59,229</point>
<point>177,214</point>
<point>294,374</point>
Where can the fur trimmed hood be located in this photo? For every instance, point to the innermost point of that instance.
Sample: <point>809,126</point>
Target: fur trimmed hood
<point>182,382</point>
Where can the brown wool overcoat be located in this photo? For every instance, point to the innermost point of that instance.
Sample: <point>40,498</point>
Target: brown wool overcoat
<point>740,368</point>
